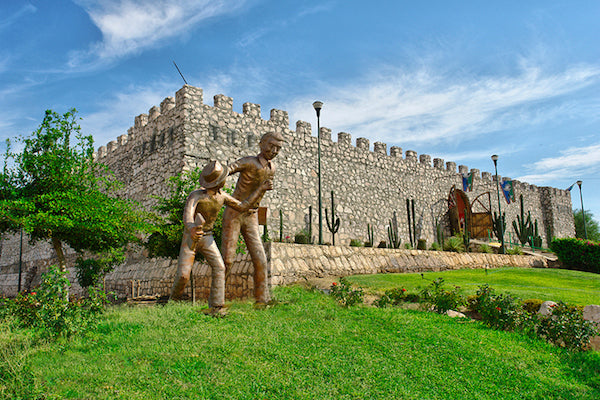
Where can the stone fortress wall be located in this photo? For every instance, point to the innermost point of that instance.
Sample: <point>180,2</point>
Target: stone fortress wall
<point>369,183</point>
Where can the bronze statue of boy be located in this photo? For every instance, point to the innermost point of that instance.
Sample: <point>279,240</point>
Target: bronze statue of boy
<point>199,215</point>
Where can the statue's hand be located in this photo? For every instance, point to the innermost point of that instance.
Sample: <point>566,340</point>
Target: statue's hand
<point>196,232</point>
<point>267,185</point>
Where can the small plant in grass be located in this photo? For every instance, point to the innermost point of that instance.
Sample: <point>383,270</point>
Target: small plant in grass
<point>345,294</point>
<point>441,298</point>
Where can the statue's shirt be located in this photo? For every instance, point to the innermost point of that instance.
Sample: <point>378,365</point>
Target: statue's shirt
<point>253,172</point>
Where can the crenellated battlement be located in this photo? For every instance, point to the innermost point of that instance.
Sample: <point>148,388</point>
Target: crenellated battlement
<point>370,181</point>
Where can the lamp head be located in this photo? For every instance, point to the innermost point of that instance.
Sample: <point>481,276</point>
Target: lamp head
<point>579,183</point>
<point>318,105</point>
<point>495,157</point>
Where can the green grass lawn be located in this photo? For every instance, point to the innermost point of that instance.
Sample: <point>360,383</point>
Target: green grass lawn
<point>575,287</point>
<point>304,347</point>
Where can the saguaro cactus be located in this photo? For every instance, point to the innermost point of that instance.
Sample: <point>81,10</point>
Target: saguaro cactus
<point>522,226</point>
<point>334,225</point>
<point>394,240</point>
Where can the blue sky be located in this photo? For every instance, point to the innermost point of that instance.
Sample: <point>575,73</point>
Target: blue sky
<point>459,80</point>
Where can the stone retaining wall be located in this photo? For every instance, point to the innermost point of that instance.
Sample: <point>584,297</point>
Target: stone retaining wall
<point>288,263</point>
<point>291,263</point>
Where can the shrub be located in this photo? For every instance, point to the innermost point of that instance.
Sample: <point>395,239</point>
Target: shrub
<point>566,327</point>
<point>422,244</point>
<point>455,244</point>
<point>515,251</point>
<point>407,246</point>
<point>49,311</point>
<point>577,254</point>
<point>440,298</point>
<point>302,237</point>
<point>532,306</point>
<point>382,245</point>
<point>356,243</point>
<point>435,246</point>
<point>484,248</point>
<point>345,294</point>
<point>497,311</point>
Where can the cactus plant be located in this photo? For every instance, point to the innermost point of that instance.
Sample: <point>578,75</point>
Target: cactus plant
<point>439,233</point>
<point>466,235</point>
<point>409,224</point>
<point>522,226</point>
<point>371,238</point>
<point>280,226</point>
<point>536,239</point>
<point>394,240</point>
<point>310,238</point>
<point>499,225</point>
<point>334,225</point>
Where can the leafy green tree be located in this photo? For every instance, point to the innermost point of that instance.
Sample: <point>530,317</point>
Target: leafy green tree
<point>591,225</point>
<point>167,227</point>
<point>55,191</point>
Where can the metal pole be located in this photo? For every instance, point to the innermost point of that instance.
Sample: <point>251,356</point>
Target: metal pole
<point>495,159</point>
<point>317,106</point>
<point>582,210</point>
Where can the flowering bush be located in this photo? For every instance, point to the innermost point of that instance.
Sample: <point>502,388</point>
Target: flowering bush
<point>497,311</point>
<point>345,294</point>
<point>440,298</point>
<point>566,327</point>
<point>577,254</point>
<point>49,311</point>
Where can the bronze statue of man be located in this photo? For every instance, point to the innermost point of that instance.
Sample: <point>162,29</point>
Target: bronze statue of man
<point>254,170</point>
<point>199,215</point>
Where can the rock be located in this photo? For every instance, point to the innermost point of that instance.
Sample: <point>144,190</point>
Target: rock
<point>592,313</point>
<point>546,308</point>
<point>455,314</point>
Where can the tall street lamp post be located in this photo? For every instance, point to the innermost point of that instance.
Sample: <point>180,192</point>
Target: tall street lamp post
<point>501,227</point>
<point>317,106</point>
<point>582,211</point>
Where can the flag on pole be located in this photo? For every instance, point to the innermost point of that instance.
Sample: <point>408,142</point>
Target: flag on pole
<point>570,187</point>
<point>507,189</point>
<point>467,182</point>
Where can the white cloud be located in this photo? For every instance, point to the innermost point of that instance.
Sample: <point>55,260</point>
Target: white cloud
<point>116,114</point>
<point>573,162</point>
<point>421,106</point>
<point>11,19</point>
<point>130,26</point>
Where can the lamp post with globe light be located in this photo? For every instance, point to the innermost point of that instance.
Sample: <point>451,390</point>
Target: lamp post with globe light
<point>582,211</point>
<point>501,228</point>
<point>317,106</point>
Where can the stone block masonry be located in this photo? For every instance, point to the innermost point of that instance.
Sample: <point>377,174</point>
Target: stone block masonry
<point>288,263</point>
<point>369,185</point>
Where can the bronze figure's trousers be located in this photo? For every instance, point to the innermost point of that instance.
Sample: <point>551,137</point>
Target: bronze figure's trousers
<point>207,246</point>
<point>235,222</point>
